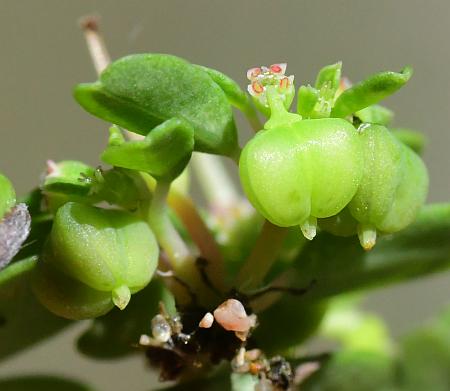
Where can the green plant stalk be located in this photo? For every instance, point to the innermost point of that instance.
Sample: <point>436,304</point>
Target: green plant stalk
<point>185,209</point>
<point>167,235</point>
<point>182,261</point>
<point>262,257</point>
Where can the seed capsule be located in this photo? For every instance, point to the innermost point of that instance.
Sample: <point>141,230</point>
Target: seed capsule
<point>296,172</point>
<point>109,253</point>
<point>393,187</point>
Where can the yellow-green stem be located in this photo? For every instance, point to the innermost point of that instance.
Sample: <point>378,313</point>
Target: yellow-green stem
<point>262,257</point>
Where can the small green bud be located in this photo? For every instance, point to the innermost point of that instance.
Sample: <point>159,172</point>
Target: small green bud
<point>75,181</point>
<point>7,196</point>
<point>111,252</point>
<point>67,180</point>
<point>393,188</point>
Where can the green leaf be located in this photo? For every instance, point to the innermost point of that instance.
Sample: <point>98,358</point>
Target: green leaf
<point>316,102</point>
<point>164,153</point>
<point>369,92</point>
<point>41,383</point>
<point>66,177</point>
<point>329,77</point>
<point>340,265</point>
<point>24,321</point>
<point>413,139</point>
<point>307,98</point>
<point>232,90</point>
<point>141,91</point>
<point>117,333</point>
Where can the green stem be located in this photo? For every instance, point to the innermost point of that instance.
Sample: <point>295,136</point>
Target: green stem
<point>262,257</point>
<point>186,210</point>
<point>183,262</point>
<point>278,113</point>
<point>168,237</point>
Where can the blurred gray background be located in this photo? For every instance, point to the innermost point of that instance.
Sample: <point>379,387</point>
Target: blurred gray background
<point>43,55</point>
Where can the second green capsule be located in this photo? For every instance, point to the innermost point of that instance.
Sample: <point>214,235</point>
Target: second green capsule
<point>394,185</point>
<point>94,259</point>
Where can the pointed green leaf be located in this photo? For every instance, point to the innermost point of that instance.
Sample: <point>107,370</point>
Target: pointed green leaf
<point>329,76</point>
<point>369,92</point>
<point>232,90</point>
<point>164,153</point>
<point>141,91</point>
<point>307,98</point>
<point>340,265</point>
<point>66,177</point>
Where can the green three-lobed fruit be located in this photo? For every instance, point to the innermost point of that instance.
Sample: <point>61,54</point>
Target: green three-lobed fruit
<point>394,185</point>
<point>298,171</point>
<point>94,259</point>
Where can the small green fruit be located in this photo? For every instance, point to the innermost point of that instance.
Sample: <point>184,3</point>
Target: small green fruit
<point>103,255</point>
<point>300,170</point>
<point>394,185</point>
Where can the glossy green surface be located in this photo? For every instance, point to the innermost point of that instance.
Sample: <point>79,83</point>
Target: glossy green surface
<point>302,169</point>
<point>369,92</point>
<point>155,154</point>
<point>110,251</point>
<point>394,184</point>
<point>141,91</point>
